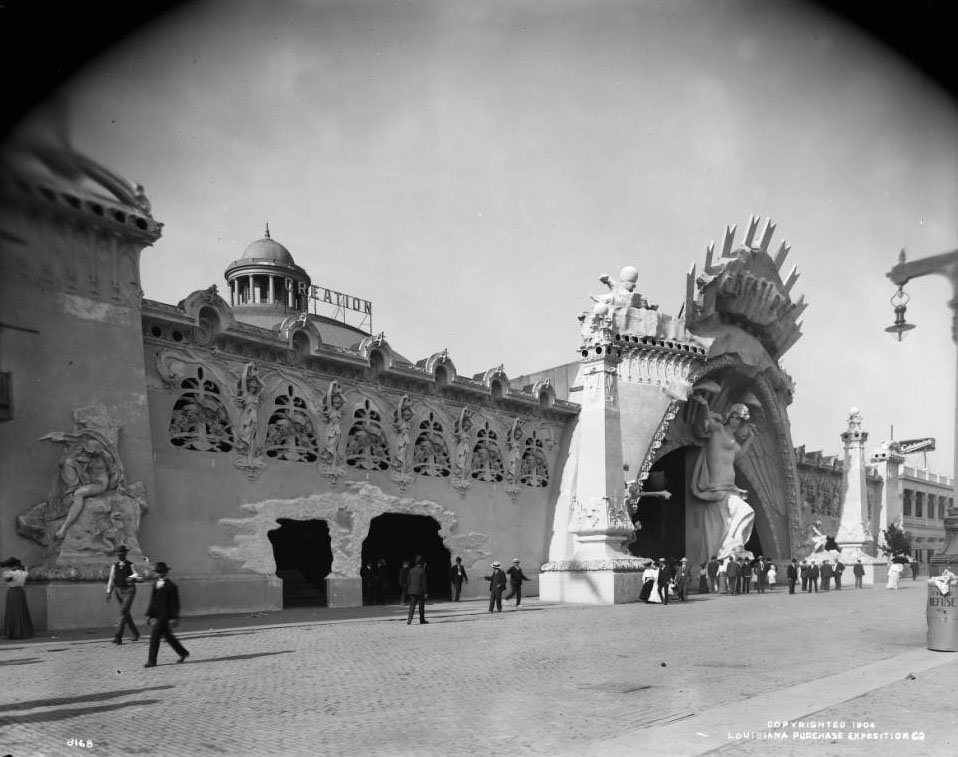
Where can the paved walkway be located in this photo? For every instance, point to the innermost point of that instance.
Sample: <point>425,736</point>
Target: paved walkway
<point>707,676</point>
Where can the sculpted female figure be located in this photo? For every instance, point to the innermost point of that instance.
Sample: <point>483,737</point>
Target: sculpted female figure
<point>713,479</point>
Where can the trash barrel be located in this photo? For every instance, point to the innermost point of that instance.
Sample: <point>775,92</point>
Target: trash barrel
<point>942,612</point>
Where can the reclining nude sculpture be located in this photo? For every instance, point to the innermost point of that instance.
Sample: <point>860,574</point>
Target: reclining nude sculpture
<point>728,523</point>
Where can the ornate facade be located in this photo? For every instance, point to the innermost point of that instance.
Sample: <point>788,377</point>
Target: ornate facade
<point>213,432</point>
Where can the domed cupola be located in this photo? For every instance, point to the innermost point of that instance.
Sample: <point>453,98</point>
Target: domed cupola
<point>266,285</point>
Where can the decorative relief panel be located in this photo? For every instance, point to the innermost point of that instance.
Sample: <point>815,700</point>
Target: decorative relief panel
<point>280,414</point>
<point>289,433</point>
<point>535,467</point>
<point>366,446</point>
<point>431,455</point>
<point>486,456</point>
<point>199,420</point>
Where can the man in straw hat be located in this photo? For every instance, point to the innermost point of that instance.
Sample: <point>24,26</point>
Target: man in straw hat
<point>164,615</point>
<point>497,584</point>
<point>516,577</point>
<point>122,584</point>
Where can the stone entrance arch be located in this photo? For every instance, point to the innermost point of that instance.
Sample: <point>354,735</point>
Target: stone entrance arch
<point>348,510</point>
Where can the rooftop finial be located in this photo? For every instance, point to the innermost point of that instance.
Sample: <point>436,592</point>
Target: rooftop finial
<point>267,230</point>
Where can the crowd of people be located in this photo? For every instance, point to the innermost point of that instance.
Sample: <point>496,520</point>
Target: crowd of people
<point>664,580</point>
<point>414,589</point>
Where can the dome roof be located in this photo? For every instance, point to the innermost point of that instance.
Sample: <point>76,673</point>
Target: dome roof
<point>267,249</point>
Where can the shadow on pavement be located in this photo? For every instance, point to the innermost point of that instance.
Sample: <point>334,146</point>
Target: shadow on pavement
<point>250,656</point>
<point>31,703</point>
<point>21,661</point>
<point>54,715</point>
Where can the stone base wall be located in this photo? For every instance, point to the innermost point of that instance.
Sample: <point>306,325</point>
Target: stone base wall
<point>66,605</point>
<point>591,587</point>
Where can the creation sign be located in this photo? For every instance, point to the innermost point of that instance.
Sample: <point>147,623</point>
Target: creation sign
<point>332,297</point>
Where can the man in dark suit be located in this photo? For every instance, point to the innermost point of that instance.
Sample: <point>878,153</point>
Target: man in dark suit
<point>826,574</point>
<point>497,585</point>
<point>712,570</point>
<point>761,574</point>
<point>813,578</point>
<point>416,590</point>
<point>122,583</point>
<point>516,577</point>
<point>792,575</point>
<point>805,572</point>
<point>745,575</point>
<point>859,571</point>
<point>665,576</point>
<point>457,574</point>
<point>839,569</point>
<point>683,576</point>
<point>164,615</point>
<point>732,571</point>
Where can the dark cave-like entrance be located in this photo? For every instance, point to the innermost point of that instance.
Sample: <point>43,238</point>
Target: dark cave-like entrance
<point>395,537</point>
<point>663,521</point>
<point>304,558</point>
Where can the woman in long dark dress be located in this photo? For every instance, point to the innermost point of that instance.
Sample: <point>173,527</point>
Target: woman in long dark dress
<point>16,615</point>
<point>703,579</point>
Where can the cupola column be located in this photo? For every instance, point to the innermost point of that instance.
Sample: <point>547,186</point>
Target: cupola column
<point>251,292</point>
<point>272,289</point>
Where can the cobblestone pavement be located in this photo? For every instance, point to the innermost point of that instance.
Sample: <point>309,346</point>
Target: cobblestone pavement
<point>541,680</point>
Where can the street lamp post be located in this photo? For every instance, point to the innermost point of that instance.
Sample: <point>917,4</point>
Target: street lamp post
<point>945,265</point>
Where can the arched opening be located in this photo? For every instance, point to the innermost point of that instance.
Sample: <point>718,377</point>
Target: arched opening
<point>301,343</point>
<point>304,558</point>
<point>377,362</point>
<point>442,376</point>
<point>497,391</point>
<point>761,525</point>
<point>394,537</point>
<point>663,521</point>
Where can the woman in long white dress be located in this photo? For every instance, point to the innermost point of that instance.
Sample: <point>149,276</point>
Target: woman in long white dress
<point>772,576</point>
<point>651,573</point>
<point>894,573</point>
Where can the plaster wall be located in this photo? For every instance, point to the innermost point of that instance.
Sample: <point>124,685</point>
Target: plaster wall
<point>204,503</point>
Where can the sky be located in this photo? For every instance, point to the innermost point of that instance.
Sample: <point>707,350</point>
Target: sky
<point>472,168</point>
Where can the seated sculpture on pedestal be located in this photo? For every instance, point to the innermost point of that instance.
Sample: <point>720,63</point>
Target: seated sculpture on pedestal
<point>728,525</point>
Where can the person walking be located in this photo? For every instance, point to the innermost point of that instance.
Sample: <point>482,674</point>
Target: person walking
<point>712,568</point>
<point>683,576</point>
<point>122,584</point>
<point>164,615</point>
<point>17,623</point>
<point>806,573</point>
<point>416,590</point>
<point>457,575</point>
<point>497,585</point>
<point>791,575</point>
<point>516,577</point>
<point>839,569</point>
<point>859,570</point>
<point>664,579</point>
<point>723,577</point>
<point>772,576</point>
